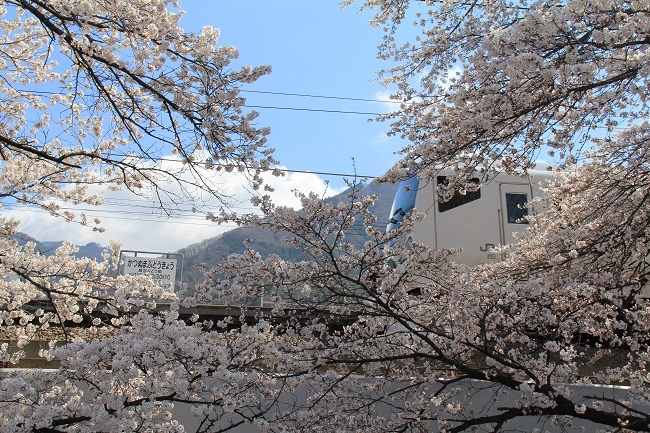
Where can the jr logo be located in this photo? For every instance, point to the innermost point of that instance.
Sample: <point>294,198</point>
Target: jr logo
<point>486,248</point>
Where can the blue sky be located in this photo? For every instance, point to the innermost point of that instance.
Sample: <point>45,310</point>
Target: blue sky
<point>314,48</point>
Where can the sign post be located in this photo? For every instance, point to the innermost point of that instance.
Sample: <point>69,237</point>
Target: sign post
<point>163,269</point>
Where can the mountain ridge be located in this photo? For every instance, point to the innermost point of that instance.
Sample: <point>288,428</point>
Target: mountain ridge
<point>201,256</point>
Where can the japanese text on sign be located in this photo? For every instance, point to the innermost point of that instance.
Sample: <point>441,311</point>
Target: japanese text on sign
<point>161,270</point>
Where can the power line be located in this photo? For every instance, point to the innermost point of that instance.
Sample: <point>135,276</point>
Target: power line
<point>303,95</point>
<point>317,110</point>
<point>325,173</point>
<point>176,219</point>
<point>283,170</point>
<point>160,214</point>
<point>206,224</point>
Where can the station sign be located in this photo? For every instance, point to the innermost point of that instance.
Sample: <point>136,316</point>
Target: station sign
<point>161,270</point>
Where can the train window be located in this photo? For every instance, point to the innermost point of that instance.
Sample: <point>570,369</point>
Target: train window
<point>517,208</point>
<point>458,199</point>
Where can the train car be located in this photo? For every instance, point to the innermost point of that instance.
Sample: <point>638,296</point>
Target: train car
<point>476,221</point>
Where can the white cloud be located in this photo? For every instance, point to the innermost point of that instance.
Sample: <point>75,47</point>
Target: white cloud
<point>140,224</point>
<point>385,103</point>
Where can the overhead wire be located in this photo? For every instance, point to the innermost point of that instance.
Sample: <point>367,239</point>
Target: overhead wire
<point>317,110</point>
<point>326,173</point>
<point>182,219</point>
<point>189,214</point>
<point>283,170</point>
<point>273,107</point>
<point>306,95</point>
<point>137,203</point>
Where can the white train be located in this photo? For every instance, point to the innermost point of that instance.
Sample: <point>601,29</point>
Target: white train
<point>476,221</point>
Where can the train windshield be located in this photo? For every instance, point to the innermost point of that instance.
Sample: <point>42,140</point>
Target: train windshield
<point>403,203</point>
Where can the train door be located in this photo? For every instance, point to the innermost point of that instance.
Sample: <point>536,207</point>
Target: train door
<point>468,221</point>
<point>514,209</point>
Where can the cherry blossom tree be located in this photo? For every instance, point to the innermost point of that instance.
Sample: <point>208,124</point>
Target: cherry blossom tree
<point>113,95</point>
<point>556,334</point>
<point>499,81</point>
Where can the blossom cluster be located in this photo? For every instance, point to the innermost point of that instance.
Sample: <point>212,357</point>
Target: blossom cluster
<point>384,335</point>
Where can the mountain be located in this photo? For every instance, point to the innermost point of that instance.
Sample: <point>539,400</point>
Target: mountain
<point>200,257</point>
<point>91,250</point>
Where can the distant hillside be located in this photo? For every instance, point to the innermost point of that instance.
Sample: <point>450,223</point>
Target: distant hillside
<point>47,248</point>
<point>202,256</point>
